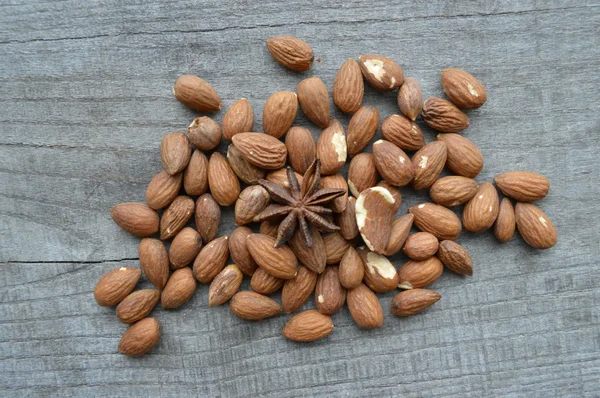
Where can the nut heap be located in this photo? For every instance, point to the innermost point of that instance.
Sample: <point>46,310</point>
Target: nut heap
<point>312,219</point>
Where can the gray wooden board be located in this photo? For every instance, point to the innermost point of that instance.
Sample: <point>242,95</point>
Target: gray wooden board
<point>85,97</point>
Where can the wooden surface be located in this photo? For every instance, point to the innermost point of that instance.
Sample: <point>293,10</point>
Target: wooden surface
<point>85,98</point>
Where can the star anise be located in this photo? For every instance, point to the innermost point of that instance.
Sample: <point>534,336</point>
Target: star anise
<point>300,205</point>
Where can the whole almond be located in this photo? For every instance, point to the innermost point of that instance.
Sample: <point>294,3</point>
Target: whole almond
<point>301,149</point>
<point>176,216</point>
<point>504,228</point>
<point>185,247</point>
<point>395,194</point>
<point>211,259</point>
<point>481,211</point>
<point>163,189</point>
<point>410,98</point>
<point>204,133</point>
<point>428,164</point>
<point>348,87</point>
<point>195,175</point>
<point>351,271</point>
<point>313,257</point>
<point>140,338</point>
<point>291,52</point>
<point>452,191</point>
<point>296,291</point>
<point>417,274</point>
<point>379,273</point>
<point>136,218</point>
<point>463,156</point>
<point>346,220</point>
<point>115,285</point>
<point>534,226</point>
<point>246,171</point>
<point>225,285</point>
<point>261,150</point>
<point>223,182</point>
<point>336,181</point>
<point>239,251</point>
<point>362,173</point>
<point>179,289</point>
<point>443,116</point>
<point>392,163</point>
<point>332,149</point>
<point>137,305</point>
<point>403,133</point>
<point>400,228</point>
<point>196,93</point>
<point>308,326</point>
<point>411,302</point>
<point>154,261</point>
<point>264,283</point>
<point>455,257</point>
<point>175,152</point>
<point>374,214</point>
<point>208,217</point>
<point>420,246</point>
<point>437,220</point>
<point>270,227</point>
<point>238,119</point>
<point>280,177</point>
<point>279,113</point>
<point>314,101</point>
<point>463,89</point>
<point>364,307</point>
<point>381,73</point>
<point>335,247</point>
<point>330,295</point>
<point>523,186</point>
<point>362,129</point>
<point>252,306</point>
<point>250,203</point>
<point>277,261</point>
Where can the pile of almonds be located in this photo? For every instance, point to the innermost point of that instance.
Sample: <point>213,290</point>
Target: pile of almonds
<point>295,206</point>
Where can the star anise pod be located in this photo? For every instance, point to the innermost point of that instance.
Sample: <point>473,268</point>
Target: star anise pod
<point>300,204</point>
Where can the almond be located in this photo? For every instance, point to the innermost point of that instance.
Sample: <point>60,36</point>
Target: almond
<point>277,261</point>
<point>239,251</point>
<point>395,194</point>
<point>270,227</point>
<point>238,119</point>
<point>154,261</point>
<point>523,186</point>
<point>280,177</point>
<point>308,326</point>
<point>504,228</point>
<point>261,150</point>
<point>403,133</point>
<point>332,149</point>
<point>428,164</point>
<point>301,149</point>
<point>163,189</point>
<point>179,289</point>
<point>296,291</point>
<point>250,203</point>
<point>351,271</point>
<point>253,306</point>
<point>204,133</point>
<point>410,98</point>
<point>452,191</point>
<point>443,116</point>
<point>330,295</point>
<point>379,273</point>
<point>464,158</point>
<point>362,173</point>
<point>346,220</point>
<point>211,259</point>
<point>246,171</point>
<point>196,93</point>
<point>400,228</point>
<point>314,257</point>
<point>175,152</point>
<point>411,302</point>
<point>314,101</point>
<point>224,184</point>
<point>437,220</point>
<point>264,283</point>
<point>463,89</point>
<point>420,246</point>
<point>364,307</point>
<point>136,218</point>
<point>291,52</point>
<point>279,113</point>
<point>481,211</point>
<point>392,163</point>
<point>336,181</point>
<point>140,338</point>
<point>534,226</point>
<point>137,305</point>
<point>348,87</point>
<point>208,217</point>
<point>335,247</point>
<point>176,216</point>
<point>417,274</point>
<point>455,257</point>
<point>195,175</point>
<point>381,73</point>
<point>225,285</point>
<point>374,214</point>
<point>362,129</point>
<point>185,247</point>
<point>115,285</point>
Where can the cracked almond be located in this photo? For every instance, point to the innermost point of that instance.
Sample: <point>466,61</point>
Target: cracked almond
<point>374,214</point>
<point>331,148</point>
<point>380,72</point>
<point>380,275</point>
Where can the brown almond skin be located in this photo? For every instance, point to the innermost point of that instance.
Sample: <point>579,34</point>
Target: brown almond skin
<point>140,338</point>
<point>314,257</point>
<point>442,115</point>
<point>137,305</point>
<point>380,72</point>
<point>417,274</point>
<point>136,218</point>
<point>196,93</point>
<point>362,129</point>
<point>280,177</point>
<point>452,191</point>
<point>207,217</point>
<point>211,259</point>
<point>420,246</point>
<point>223,182</point>
<point>238,119</point>
<point>301,149</point>
<point>481,211</point>
<point>374,215</point>
<point>308,326</point>
<point>411,302</point>
<point>364,307</point>
<point>291,52</point>
<point>534,226</point>
<point>332,149</point>
<point>379,273</point>
<point>314,101</point>
<point>225,285</point>
<point>176,216</point>
<point>154,261</point>
<point>362,173</point>
<point>437,220</point>
<point>400,228</point>
<point>264,283</point>
<point>428,164</point>
<point>395,191</point>
<point>335,247</point>
<point>277,261</point>
<point>403,133</point>
<point>175,152</point>
<point>504,227</point>
<point>269,227</point>
<point>250,203</point>
<point>252,306</point>
<point>330,295</point>
<point>346,220</point>
<point>279,113</point>
<point>239,251</point>
<point>261,150</point>
<point>115,285</point>
<point>204,133</point>
<point>179,289</point>
<point>410,98</point>
<point>163,189</point>
<point>336,181</point>
<point>523,186</point>
<point>246,171</point>
<point>455,257</point>
<point>351,270</point>
<point>463,89</point>
<point>195,175</point>
<point>392,163</point>
<point>463,156</point>
<point>348,87</point>
<point>296,291</point>
<point>185,247</point>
